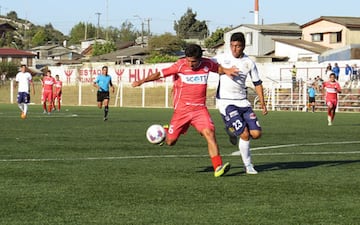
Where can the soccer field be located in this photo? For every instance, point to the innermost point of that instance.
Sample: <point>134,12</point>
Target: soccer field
<point>73,168</point>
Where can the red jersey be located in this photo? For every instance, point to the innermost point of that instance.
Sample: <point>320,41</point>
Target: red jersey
<point>190,84</point>
<point>331,89</point>
<point>48,83</point>
<point>58,85</point>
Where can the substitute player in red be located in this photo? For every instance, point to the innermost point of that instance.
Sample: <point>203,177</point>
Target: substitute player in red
<point>331,90</point>
<point>48,84</point>
<point>189,93</point>
<point>57,93</point>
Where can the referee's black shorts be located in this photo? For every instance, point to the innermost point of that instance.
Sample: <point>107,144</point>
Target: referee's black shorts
<point>102,95</point>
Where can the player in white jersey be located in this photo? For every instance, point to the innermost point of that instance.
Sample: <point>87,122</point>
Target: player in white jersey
<point>239,118</point>
<point>23,81</point>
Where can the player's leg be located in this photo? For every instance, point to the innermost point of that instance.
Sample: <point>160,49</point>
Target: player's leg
<point>54,99</point>
<point>20,101</point>
<point>106,108</point>
<point>202,122</point>
<point>26,103</point>
<point>59,101</point>
<point>51,102</point>
<point>99,99</point>
<point>251,131</point>
<point>179,124</point>
<point>329,112</point>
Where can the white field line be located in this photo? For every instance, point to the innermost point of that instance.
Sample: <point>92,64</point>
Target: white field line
<point>199,156</point>
<point>297,145</point>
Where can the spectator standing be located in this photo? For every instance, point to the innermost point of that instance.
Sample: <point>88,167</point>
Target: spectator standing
<point>336,71</point>
<point>348,72</point>
<point>328,69</point>
<point>293,75</point>
<point>23,82</point>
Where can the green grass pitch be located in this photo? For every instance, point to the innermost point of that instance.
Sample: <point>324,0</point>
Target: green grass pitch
<point>73,168</point>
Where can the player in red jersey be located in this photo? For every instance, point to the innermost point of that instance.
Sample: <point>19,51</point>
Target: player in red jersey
<point>48,83</point>
<point>331,90</point>
<point>189,93</point>
<point>57,93</point>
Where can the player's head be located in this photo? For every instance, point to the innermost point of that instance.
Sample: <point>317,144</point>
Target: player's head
<point>57,77</point>
<point>104,70</point>
<point>332,77</point>
<point>237,44</point>
<point>48,73</point>
<point>23,68</point>
<point>193,54</point>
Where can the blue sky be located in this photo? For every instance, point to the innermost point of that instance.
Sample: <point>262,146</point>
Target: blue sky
<point>64,14</point>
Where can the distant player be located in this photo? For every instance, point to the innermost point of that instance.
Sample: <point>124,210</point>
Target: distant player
<point>57,93</point>
<point>312,95</point>
<point>331,90</point>
<point>48,89</point>
<point>23,81</point>
<point>103,83</point>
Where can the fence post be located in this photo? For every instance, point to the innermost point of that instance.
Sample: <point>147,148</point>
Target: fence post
<point>80,92</point>
<point>143,96</point>
<point>11,91</point>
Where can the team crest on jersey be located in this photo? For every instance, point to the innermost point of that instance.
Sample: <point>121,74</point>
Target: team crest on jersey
<point>206,69</point>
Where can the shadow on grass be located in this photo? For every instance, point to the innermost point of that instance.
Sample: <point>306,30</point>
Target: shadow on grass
<point>282,166</point>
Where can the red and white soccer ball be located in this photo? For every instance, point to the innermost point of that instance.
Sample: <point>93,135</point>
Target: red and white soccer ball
<point>155,134</point>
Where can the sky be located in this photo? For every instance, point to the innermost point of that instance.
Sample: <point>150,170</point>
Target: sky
<point>161,14</point>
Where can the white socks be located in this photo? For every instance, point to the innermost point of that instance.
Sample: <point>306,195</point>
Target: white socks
<point>25,108</point>
<point>21,107</point>
<point>244,147</point>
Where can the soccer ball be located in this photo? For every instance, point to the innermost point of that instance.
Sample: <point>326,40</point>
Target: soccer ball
<point>155,134</point>
<point>23,116</point>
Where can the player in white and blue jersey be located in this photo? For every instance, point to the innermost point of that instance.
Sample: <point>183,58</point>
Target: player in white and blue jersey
<point>239,118</point>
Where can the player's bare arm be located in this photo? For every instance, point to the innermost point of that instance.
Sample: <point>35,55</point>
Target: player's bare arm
<point>233,71</point>
<point>151,77</point>
<point>260,92</point>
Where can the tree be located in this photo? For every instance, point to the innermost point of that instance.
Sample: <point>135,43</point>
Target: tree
<point>100,49</point>
<point>216,37</point>
<point>189,27</point>
<point>82,31</point>
<point>127,32</point>
<point>9,68</point>
<point>12,15</point>
<point>166,44</point>
<point>39,38</point>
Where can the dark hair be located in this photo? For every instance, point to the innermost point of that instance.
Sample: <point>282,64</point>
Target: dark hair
<point>193,50</point>
<point>23,65</point>
<point>238,36</point>
<point>104,67</point>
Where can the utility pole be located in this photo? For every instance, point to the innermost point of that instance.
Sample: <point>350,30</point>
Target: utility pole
<point>148,26</point>
<point>98,24</point>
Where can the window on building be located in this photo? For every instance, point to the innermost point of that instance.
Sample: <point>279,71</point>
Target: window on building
<point>317,37</point>
<point>335,37</point>
<point>248,38</point>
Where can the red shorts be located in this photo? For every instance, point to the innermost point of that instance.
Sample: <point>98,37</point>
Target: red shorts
<point>331,103</point>
<point>180,122</point>
<point>47,95</point>
<point>57,96</point>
